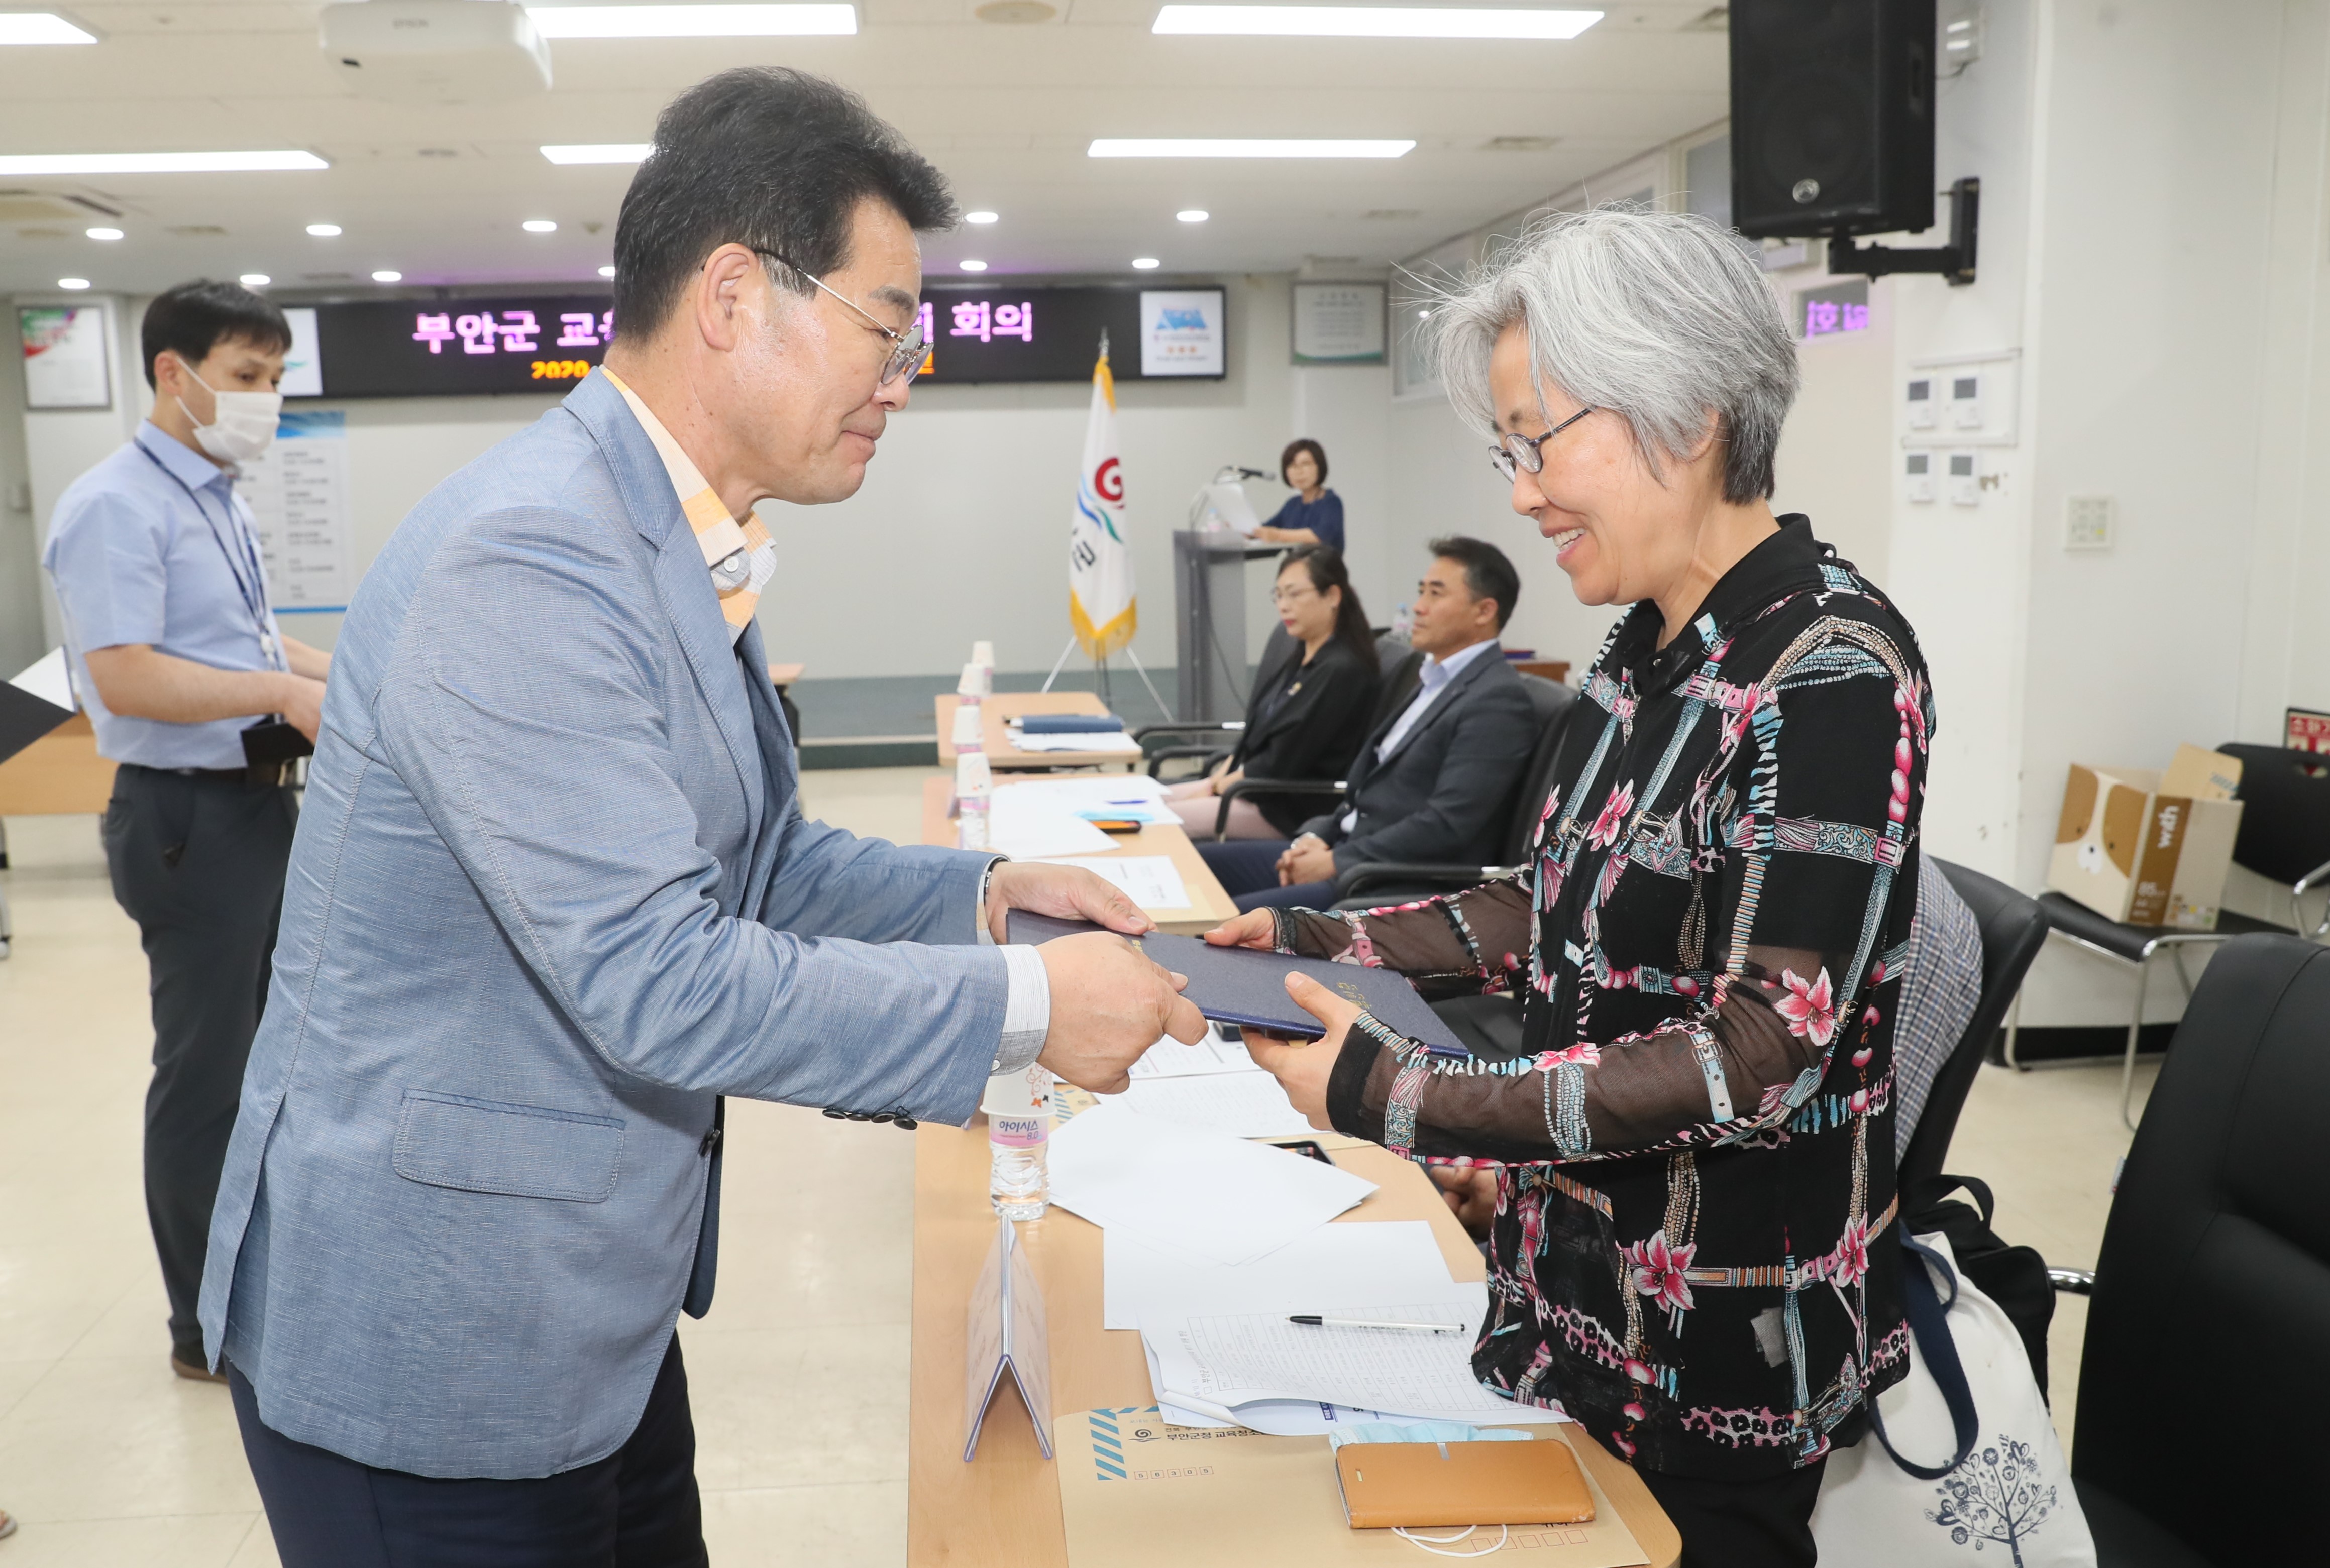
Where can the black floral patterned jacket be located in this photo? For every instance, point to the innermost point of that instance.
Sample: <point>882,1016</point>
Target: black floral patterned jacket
<point>1693,1252</point>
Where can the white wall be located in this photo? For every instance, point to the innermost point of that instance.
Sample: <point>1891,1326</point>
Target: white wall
<point>960,531</point>
<point>20,640</point>
<point>60,445</point>
<point>1834,462</point>
<point>2151,244</point>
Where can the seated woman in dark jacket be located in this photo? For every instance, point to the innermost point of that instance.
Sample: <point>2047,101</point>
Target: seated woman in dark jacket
<point>1311,704</point>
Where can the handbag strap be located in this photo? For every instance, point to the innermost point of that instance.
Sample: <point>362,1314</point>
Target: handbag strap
<point>1929,1325</point>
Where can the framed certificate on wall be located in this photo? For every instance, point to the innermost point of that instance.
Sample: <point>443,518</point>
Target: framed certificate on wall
<point>63,348</point>
<point>1339,324</point>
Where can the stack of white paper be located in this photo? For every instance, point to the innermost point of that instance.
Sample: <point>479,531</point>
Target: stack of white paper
<point>1151,881</point>
<point>1030,826</point>
<point>1356,1264</point>
<point>1115,742</point>
<point>1125,794</point>
<point>1168,1058</point>
<point>1218,1365</point>
<point>1190,1191</point>
<point>1247,1104</point>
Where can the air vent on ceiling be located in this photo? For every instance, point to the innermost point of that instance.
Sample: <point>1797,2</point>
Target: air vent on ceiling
<point>1517,144</point>
<point>44,233</point>
<point>1714,19</point>
<point>1391,214</point>
<point>328,278</point>
<point>32,206</point>
<point>196,230</point>
<point>1015,11</point>
<point>440,152</point>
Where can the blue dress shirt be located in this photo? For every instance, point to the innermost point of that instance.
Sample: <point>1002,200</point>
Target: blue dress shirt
<point>146,548</point>
<point>1324,517</point>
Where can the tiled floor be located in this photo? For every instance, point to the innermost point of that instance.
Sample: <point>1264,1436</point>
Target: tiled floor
<point>799,1372</point>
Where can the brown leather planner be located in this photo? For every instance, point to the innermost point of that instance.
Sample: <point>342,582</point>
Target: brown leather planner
<point>1463,1483</point>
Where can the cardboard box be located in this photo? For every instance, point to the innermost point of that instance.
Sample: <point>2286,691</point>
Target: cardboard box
<point>2150,848</point>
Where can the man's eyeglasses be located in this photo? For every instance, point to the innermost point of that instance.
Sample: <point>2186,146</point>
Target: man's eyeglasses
<point>1524,452</point>
<point>905,347</point>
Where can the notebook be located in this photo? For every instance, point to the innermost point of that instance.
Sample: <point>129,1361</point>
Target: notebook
<point>1240,986</point>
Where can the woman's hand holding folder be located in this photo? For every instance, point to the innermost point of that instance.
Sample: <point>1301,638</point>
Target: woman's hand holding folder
<point>1300,1066</point>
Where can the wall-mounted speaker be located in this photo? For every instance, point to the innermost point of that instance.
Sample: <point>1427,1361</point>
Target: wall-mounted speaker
<point>1831,115</point>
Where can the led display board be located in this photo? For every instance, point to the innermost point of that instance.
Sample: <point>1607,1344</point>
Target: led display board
<point>548,342</point>
<point>393,348</point>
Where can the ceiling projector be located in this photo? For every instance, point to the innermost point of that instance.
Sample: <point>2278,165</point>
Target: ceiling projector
<point>435,51</point>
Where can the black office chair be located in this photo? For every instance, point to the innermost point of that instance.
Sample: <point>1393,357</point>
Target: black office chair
<point>2207,1363</point>
<point>1216,741</point>
<point>2134,946</point>
<point>1366,886</point>
<point>1548,700</point>
<point>2285,836</point>
<point>1491,1026</point>
<point>2013,930</point>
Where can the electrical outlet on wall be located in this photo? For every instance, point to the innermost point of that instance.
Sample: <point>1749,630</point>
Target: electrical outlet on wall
<point>2090,522</point>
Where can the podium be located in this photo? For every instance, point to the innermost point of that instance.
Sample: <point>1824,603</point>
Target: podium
<point>1209,630</point>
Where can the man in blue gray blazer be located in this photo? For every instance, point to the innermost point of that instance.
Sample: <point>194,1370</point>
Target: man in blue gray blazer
<point>552,895</point>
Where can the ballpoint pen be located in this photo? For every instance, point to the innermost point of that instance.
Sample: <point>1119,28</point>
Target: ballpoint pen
<point>1316,1322</point>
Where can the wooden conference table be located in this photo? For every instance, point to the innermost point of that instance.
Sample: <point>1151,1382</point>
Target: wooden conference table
<point>1209,906</point>
<point>1004,1507</point>
<point>1003,705</point>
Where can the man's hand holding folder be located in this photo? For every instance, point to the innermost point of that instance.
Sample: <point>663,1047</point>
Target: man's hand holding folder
<point>1300,1066</point>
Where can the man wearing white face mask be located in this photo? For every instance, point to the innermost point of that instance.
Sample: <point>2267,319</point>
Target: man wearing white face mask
<point>175,653</point>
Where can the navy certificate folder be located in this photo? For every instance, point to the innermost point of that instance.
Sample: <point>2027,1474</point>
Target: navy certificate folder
<point>1240,986</point>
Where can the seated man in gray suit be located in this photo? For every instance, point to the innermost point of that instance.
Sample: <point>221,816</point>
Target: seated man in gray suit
<point>552,895</point>
<point>1435,780</point>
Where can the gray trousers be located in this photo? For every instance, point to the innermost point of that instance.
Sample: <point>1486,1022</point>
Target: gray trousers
<point>197,861</point>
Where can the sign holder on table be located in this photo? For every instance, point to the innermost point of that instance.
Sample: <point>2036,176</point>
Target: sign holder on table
<point>1005,1334</point>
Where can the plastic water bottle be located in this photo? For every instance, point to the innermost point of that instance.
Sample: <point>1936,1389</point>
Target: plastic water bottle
<point>1019,1107</point>
<point>970,719</point>
<point>973,788</point>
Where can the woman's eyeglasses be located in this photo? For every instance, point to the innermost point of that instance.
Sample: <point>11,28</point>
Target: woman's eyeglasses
<point>1524,452</point>
<point>905,347</point>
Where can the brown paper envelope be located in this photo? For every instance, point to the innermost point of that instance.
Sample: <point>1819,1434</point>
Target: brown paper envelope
<point>1135,1493</point>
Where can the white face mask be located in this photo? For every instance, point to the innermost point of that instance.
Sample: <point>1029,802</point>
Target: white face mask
<point>245,425</point>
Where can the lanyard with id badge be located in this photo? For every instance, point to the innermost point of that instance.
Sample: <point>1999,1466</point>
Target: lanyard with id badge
<point>270,746</point>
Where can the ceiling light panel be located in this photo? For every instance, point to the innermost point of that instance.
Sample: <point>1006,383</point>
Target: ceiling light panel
<point>598,153</point>
<point>1371,22</point>
<point>41,27</point>
<point>1242,148</point>
<point>692,21</point>
<point>156,163</point>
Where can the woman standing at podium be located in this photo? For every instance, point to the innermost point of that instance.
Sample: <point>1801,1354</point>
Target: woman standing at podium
<point>1313,514</point>
<point>1311,705</point>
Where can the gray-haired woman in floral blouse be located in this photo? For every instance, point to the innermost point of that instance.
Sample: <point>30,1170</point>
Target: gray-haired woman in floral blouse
<point>1692,1252</point>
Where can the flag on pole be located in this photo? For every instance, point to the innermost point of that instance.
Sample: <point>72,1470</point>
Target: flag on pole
<point>1101,608</point>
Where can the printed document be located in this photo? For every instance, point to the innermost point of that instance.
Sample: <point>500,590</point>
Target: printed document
<point>1213,1364</point>
<point>1150,881</point>
<point>1201,1193</point>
